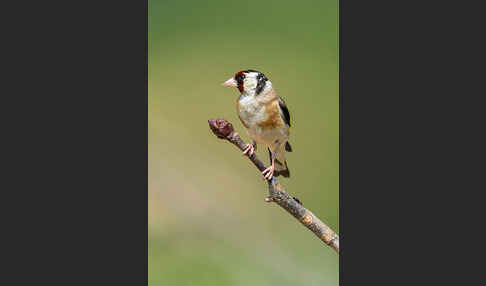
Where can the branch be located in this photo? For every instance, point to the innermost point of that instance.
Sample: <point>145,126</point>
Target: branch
<point>224,130</point>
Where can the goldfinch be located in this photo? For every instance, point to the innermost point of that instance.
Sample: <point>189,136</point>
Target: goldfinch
<point>265,117</point>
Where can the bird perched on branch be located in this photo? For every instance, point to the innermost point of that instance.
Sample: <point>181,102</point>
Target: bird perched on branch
<point>265,117</point>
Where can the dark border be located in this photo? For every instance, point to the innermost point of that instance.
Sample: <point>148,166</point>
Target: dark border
<point>409,109</point>
<point>80,134</point>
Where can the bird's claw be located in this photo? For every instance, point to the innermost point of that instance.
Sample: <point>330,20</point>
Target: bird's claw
<point>268,173</point>
<point>249,149</point>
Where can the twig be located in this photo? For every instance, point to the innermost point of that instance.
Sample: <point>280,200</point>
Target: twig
<point>224,130</point>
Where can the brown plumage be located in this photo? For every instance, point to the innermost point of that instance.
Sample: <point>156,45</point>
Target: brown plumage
<point>274,120</point>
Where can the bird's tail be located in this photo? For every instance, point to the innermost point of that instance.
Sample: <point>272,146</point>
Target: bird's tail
<point>280,163</point>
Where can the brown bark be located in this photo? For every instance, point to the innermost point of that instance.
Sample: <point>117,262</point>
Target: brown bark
<point>224,130</point>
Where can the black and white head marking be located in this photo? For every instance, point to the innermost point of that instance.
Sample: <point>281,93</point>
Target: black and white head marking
<point>262,81</point>
<point>251,82</point>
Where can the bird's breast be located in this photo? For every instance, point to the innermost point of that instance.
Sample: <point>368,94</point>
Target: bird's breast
<point>250,111</point>
<point>262,120</point>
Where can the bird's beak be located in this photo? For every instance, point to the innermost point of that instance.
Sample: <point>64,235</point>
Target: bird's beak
<point>230,82</point>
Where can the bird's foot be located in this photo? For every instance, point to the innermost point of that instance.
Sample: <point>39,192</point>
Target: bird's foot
<point>268,172</point>
<point>249,149</point>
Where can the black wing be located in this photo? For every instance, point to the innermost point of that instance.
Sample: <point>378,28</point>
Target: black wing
<point>285,111</point>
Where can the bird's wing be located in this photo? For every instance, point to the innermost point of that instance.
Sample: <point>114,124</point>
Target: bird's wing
<point>284,111</point>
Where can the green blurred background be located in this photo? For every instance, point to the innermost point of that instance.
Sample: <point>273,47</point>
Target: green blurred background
<point>208,222</point>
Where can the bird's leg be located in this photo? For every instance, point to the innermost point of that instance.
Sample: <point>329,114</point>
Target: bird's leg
<point>268,172</point>
<point>250,149</point>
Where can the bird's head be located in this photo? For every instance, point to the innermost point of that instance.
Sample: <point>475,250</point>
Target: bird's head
<point>249,82</point>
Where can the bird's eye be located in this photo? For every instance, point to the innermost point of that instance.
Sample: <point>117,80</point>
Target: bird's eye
<point>239,77</point>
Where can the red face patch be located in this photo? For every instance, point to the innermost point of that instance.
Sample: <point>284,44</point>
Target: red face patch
<point>239,77</point>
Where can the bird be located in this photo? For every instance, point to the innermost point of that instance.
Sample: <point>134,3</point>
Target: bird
<point>265,117</point>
